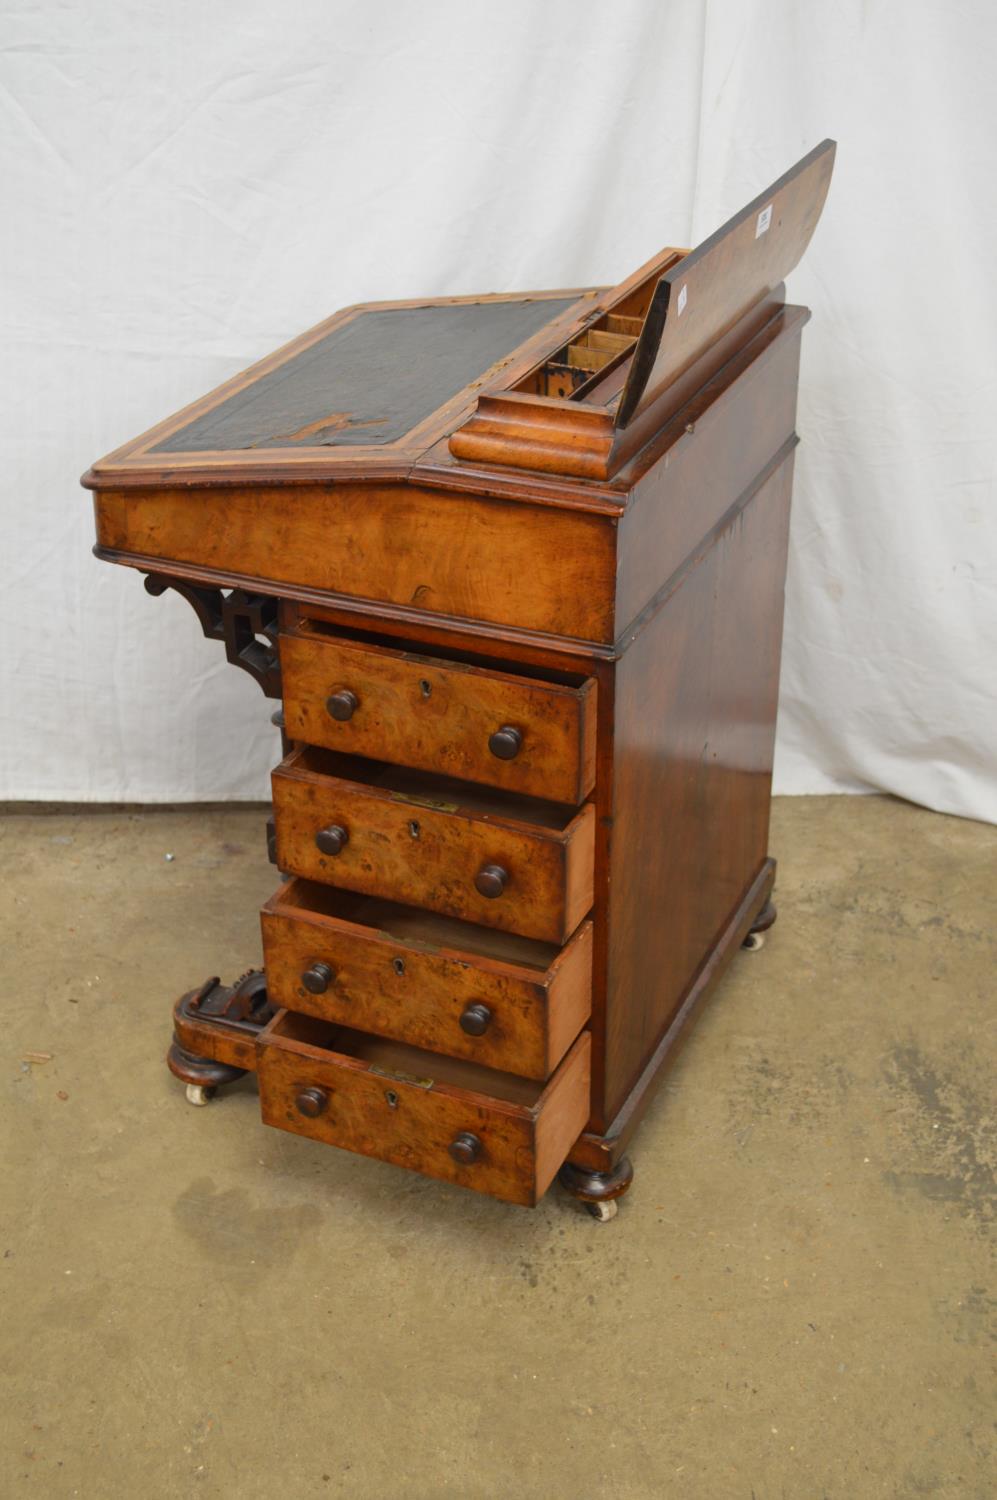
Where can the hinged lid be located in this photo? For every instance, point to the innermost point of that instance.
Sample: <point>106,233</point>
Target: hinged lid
<point>712,287</point>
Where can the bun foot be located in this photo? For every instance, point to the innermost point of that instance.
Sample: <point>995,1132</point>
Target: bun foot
<point>214,1033</point>
<point>202,1075</point>
<point>598,1192</point>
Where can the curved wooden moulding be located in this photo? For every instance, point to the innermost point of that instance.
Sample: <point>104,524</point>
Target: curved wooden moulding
<point>538,432</point>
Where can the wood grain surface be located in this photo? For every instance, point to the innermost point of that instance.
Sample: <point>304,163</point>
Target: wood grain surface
<point>706,292</point>
<point>422,840</point>
<point>416,710</point>
<point>504,562</point>
<point>410,1111</point>
<point>694,736</point>
<point>705,461</point>
<point>410,974</point>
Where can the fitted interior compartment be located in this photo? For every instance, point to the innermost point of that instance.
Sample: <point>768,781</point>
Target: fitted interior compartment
<point>616,323</point>
<point>414,927</point>
<point>577,367</point>
<point>423,789</point>
<point>315,625</point>
<point>413,1064</point>
<point>570,370</point>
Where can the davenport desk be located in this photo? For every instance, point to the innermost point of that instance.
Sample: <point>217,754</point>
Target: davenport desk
<point>514,567</point>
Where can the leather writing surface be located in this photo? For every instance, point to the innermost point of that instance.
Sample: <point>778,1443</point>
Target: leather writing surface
<point>369,381</point>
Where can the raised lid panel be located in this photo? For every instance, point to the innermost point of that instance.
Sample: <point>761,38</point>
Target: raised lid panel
<point>411,975</point>
<point>713,286</point>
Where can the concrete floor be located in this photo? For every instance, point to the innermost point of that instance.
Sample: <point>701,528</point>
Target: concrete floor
<point>792,1302</point>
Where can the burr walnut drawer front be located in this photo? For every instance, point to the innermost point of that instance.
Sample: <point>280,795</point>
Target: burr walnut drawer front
<point>442,716</point>
<point>489,857</point>
<point>503,1001</point>
<point>446,1118</point>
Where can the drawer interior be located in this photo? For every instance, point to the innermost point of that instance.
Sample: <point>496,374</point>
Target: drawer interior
<point>416,651</point>
<point>444,793</point>
<point>410,1064</point>
<point>414,927</point>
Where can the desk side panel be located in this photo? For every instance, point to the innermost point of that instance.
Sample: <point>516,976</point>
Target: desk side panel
<point>695,713</point>
<point>729,433</point>
<point>468,557</point>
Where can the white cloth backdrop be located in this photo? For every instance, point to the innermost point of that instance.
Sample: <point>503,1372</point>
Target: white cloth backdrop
<point>186,186</point>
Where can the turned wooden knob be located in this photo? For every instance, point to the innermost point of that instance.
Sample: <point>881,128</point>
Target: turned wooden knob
<point>474,1020</point>
<point>506,742</point>
<point>465,1148</point>
<point>318,978</point>
<point>332,840</point>
<point>342,705</point>
<point>491,881</point>
<point>311,1102</point>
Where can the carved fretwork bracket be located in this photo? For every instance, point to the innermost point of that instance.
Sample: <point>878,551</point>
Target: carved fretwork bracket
<point>243,1005</point>
<point>237,619</point>
<point>215,1029</point>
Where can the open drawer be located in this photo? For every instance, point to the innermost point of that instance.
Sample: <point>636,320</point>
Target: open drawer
<point>476,723</point>
<point>446,1118</point>
<point>464,851</point>
<point>500,1000</point>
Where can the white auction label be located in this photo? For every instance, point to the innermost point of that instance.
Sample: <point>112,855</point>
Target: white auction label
<point>683,299</point>
<point>764,220</point>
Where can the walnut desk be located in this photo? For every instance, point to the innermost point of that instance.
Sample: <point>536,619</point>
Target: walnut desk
<point>514,567</point>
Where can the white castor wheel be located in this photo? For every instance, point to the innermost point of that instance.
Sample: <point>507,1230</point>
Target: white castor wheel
<point>599,1193</point>
<point>754,941</point>
<point>199,1093</point>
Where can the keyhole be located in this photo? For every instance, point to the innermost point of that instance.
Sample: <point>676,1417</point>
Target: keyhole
<point>425,688</point>
<point>392,1098</point>
<point>414,829</point>
<point>398,964</point>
